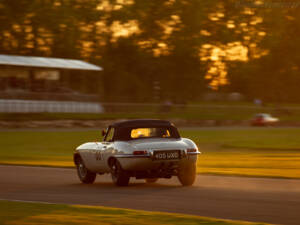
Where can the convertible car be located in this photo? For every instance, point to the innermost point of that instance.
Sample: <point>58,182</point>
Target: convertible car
<point>144,149</point>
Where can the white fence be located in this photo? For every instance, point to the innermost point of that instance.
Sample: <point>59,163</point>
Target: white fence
<point>32,106</point>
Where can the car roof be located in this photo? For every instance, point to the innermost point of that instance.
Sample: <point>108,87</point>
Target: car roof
<point>141,123</point>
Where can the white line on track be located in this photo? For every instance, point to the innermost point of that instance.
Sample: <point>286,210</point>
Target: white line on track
<point>41,202</point>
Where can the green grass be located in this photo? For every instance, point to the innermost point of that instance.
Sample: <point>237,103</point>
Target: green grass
<point>38,213</point>
<point>266,152</point>
<point>50,148</point>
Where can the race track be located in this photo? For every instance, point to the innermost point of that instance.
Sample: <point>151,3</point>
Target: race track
<point>253,199</point>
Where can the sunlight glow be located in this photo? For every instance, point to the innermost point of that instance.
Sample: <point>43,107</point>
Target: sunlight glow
<point>105,5</point>
<point>205,33</point>
<point>217,56</point>
<point>124,29</point>
<point>169,26</point>
<point>161,49</point>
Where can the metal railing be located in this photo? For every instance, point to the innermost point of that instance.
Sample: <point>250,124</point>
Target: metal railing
<point>38,106</point>
<point>193,111</point>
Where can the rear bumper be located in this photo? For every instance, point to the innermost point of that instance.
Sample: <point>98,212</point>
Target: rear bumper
<point>184,154</point>
<point>146,162</point>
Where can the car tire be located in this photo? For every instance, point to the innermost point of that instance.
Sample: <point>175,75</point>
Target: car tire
<point>84,174</point>
<point>187,174</point>
<point>151,180</point>
<point>118,175</point>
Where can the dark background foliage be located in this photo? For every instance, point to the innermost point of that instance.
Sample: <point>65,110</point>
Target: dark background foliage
<point>161,60</point>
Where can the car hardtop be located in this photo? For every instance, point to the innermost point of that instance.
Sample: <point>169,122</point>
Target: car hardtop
<point>123,128</point>
<point>142,123</point>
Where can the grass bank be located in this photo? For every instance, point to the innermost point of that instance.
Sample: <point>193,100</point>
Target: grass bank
<point>265,152</point>
<point>38,213</point>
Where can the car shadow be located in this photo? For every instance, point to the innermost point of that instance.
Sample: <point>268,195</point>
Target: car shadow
<point>130,185</point>
<point>134,188</point>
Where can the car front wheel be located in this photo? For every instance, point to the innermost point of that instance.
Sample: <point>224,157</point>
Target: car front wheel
<point>187,174</point>
<point>84,174</point>
<point>118,175</point>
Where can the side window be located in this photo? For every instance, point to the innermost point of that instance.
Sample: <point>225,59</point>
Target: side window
<point>110,134</point>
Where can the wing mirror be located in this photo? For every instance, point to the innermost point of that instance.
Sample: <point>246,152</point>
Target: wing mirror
<point>103,133</point>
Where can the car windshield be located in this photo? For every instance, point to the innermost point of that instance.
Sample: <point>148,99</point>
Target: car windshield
<point>133,133</point>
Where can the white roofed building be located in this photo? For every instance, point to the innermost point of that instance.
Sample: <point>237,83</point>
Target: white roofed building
<point>46,79</point>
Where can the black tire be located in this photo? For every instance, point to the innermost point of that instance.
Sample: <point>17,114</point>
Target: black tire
<point>187,174</point>
<point>118,175</point>
<point>151,180</point>
<point>84,174</point>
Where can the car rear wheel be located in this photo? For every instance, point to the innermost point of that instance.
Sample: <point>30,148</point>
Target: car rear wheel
<point>151,180</point>
<point>118,175</point>
<point>187,174</point>
<point>84,174</point>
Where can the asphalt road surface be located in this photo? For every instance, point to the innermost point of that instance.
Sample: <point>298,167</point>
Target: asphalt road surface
<point>252,199</point>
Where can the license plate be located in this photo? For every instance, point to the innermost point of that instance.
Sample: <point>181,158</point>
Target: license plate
<point>166,155</point>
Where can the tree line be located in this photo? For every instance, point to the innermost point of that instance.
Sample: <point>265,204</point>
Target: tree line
<point>161,50</point>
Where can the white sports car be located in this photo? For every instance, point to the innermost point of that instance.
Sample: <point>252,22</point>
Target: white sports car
<point>144,149</point>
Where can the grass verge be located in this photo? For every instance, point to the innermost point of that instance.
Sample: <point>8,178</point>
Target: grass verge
<point>39,213</point>
<point>265,152</point>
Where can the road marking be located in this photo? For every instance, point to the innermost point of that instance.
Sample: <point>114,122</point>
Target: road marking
<point>26,201</point>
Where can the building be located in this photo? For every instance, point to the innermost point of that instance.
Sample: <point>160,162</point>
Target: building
<point>26,80</point>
